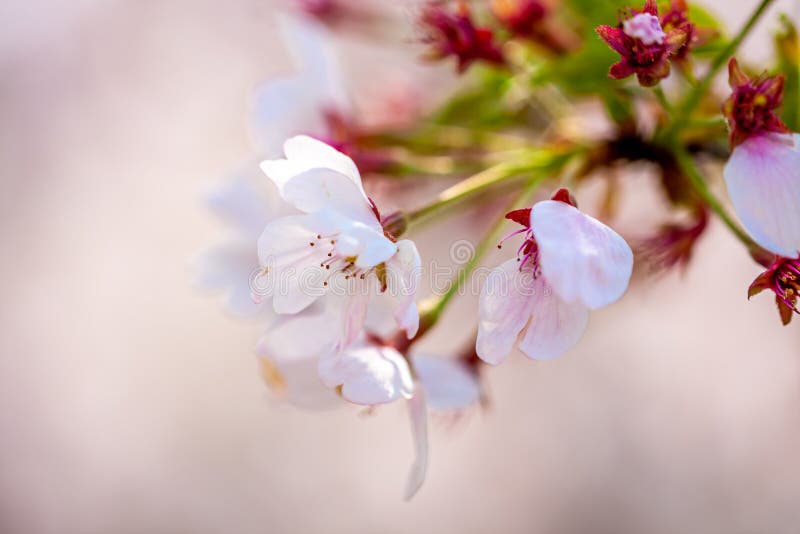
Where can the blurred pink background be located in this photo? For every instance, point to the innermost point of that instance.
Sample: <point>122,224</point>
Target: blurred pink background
<point>129,403</point>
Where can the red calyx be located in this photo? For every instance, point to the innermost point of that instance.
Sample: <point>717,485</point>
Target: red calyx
<point>783,279</point>
<point>650,62</point>
<point>751,107</point>
<point>455,34</point>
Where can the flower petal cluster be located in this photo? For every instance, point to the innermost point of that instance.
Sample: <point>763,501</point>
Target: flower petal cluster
<point>569,263</point>
<point>454,33</point>
<point>645,48</point>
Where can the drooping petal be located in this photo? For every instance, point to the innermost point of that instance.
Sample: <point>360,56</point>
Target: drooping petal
<point>581,258</point>
<point>367,374</point>
<point>449,384</point>
<point>503,310</point>
<point>418,414</point>
<point>763,179</point>
<point>555,326</point>
<point>291,263</point>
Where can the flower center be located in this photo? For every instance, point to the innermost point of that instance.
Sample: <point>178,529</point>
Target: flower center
<point>787,283</point>
<point>528,252</point>
<point>644,27</point>
<point>341,256</point>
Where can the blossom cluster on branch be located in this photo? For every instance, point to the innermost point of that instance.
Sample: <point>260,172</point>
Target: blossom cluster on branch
<point>327,262</point>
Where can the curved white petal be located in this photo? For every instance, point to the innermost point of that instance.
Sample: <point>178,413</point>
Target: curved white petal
<point>763,178</point>
<point>291,263</point>
<point>581,258</point>
<point>503,310</point>
<point>449,384</point>
<point>555,326</point>
<point>418,414</point>
<point>367,374</point>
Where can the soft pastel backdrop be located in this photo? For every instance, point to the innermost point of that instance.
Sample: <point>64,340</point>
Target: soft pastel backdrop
<point>128,403</point>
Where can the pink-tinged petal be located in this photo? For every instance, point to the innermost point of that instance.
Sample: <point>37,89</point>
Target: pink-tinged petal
<point>555,326</point>
<point>296,382</point>
<point>763,179</point>
<point>449,384</point>
<point>418,414</point>
<point>614,38</point>
<point>621,69</point>
<point>228,268</point>
<point>503,310</point>
<point>292,266</point>
<point>354,311</point>
<point>367,374</point>
<point>403,271</point>
<point>581,258</point>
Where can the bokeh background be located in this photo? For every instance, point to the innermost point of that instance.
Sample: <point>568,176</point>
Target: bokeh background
<point>129,403</point>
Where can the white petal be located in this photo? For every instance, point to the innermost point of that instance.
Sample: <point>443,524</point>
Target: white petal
<point>313,332</point>
<point>324,156</point>
<point>581,258</point>
<point>246,202</point>
<point>229,268</point>
<point>763,178</point>
<point>376,251</point>
<point>449,384</point>
<point>555,326</point>
<point>503,310</point>
<point>418,414</point>
<point>367,374</point>
<point>293,265</point>
<point>403,272</point>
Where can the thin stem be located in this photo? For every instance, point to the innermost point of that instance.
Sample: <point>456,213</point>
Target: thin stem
<point>691,171</point>
<point>538,160</point>
<point>431,310</point>
<point>693,97</point>
<point>662,99</point>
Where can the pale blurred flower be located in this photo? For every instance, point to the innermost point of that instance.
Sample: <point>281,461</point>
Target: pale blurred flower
<point>570,263</point>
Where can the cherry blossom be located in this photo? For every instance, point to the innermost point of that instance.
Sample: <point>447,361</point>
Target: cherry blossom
<point>762,172</point>
<point>645,48</point>
<point>335,247</point>
<point>569,263</point>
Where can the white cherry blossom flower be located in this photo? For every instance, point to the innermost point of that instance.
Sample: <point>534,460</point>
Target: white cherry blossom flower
<point>335,248</point>
<point>570,263</point>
